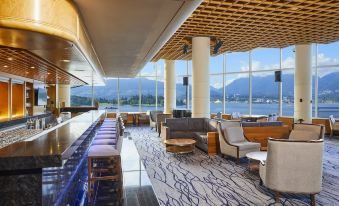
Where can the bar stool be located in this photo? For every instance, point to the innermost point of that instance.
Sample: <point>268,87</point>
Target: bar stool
<point>104,164</point>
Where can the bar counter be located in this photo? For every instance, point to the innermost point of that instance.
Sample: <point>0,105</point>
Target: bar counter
<point>45,169</point>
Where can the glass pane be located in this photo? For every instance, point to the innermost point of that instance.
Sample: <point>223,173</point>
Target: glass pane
<point>129,95</point>
<point>237,90</point>
<point>265,94</point>
<point>288,57</point>
<point>216,64</point>
<point>287,78</point>
<point>328,54</point>
<point>148,70</point>
<point>237,61</point>
<point>265,59</point>
<point>148,94</point>
<point>181,67</point>
<point>160,85</point>
<point>328,92</point>
<point>216,93</point>
<point>82,96</point>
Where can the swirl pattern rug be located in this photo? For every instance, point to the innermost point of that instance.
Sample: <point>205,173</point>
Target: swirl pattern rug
<point>199,179</point>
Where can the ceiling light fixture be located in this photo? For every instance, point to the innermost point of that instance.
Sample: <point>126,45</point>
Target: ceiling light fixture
<point>185,49</point>
<point>5,66</point>
<point>32,67</point>
<point>66,60</point>
<point>10,58</point>
<point>217,46</point>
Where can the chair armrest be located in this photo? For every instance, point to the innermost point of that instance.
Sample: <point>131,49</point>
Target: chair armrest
<point>212,143</point>
<point>165,132</point>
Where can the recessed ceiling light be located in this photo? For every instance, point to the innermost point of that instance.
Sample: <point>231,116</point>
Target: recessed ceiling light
<point>27,72</point>
<point>32,67</point>
<point>66,60</point>
<point>5,66</point>
<point>48,73</point>
<point>10,58</point>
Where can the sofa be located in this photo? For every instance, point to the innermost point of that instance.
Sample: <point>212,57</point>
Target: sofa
<point>203,130</point>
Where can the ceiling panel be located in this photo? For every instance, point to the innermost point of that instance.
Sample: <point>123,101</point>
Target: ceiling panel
<point>243,25</point>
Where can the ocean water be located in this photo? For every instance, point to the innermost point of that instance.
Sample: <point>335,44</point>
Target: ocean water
<point>325,110</point>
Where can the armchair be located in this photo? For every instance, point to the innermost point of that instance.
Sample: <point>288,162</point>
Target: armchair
<point>306,132</point>
<point>232,140</point>
<point>153,119</point>
<point>161,118</point>
<point>334,125</point>
<point>293,167</point>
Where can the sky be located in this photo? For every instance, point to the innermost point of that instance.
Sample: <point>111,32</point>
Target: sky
<point>262,59</point>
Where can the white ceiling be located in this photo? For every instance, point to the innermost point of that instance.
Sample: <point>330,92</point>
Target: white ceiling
<point>126,34</point>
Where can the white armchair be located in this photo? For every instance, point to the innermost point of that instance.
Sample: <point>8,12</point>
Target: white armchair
<point>306,132</point>
<point>334,125</point>
<point>233,142</point>
<point>293,167</point>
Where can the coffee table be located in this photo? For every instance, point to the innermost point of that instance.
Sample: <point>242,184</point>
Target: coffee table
<point>254,157</point>
<point>180,145</point>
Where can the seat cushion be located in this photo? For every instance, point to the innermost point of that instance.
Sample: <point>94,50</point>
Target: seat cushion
<point>107,136</point>
<point>104,142</point>
<point>201,137</point>
<point>247,145</point>
<point>234,134</point>
<point>102,151</point>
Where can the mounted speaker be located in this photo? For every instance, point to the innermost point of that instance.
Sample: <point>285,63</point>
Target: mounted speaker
<point>185,81</point>
<point>277,75</point>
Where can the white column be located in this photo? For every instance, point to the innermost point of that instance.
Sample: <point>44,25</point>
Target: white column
<point>169,87</point>
<point>200,77</point>
<point>64,95</point>
<point>303,83</point>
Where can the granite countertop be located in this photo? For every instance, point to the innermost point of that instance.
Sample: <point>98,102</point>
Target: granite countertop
<point>48,150</point>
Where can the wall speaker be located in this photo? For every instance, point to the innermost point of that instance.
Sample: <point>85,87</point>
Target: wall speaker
<point>185,81</point>
<point>277,75</point>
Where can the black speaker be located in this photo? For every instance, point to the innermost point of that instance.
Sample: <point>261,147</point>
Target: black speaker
<point>277,75</point>
<point>185,81</point>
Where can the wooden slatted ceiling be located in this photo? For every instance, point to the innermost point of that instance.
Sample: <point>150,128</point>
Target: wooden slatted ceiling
<point>243,25</point>
<point>23,63</point>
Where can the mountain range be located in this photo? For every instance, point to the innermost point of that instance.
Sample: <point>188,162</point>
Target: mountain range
<point>262,86</point>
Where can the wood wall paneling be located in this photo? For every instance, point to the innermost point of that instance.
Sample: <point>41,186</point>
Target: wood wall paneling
<point>4,114</point>
<point>18,101</point>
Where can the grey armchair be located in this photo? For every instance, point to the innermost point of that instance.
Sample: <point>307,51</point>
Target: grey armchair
<point>161,118</point>
<point>293,167</point>
<point>334,125</point>
<point>232,140</point>
<point>153,119</point>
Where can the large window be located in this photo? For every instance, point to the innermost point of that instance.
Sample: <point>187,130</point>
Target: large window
<point>237,93</point>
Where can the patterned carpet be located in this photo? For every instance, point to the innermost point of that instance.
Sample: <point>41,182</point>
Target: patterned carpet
<point>198,179</point>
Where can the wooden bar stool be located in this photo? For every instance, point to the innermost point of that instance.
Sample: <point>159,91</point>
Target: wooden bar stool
<point>104,164</point>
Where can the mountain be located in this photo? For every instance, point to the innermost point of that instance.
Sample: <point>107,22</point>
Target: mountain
<point>261,86</point>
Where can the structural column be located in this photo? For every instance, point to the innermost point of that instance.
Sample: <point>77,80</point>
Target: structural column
<point>303,83</point>
<point>169,87</point>
<point>200,77</point>
<point>64,95</point>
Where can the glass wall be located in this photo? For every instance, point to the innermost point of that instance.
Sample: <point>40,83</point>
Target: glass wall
<point>241,82</point>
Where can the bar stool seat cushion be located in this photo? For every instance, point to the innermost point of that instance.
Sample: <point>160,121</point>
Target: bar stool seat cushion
<point>104,142</point>
<point>102,151</point>
<point>105,136</point>
<point>107,129</point>
<point>106,132</point>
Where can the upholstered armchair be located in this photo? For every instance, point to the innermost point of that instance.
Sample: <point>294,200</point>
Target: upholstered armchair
<point>143,118</point>
<point>293,167</point>
<point>161,118</point>
<point>334,125</point>
<point>153,119</point>
<point>232,140</point>
<point>305,132</point>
